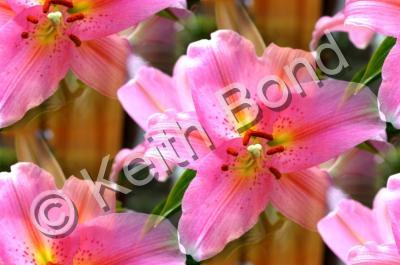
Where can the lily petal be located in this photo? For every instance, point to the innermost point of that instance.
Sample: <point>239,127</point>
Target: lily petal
<point>282,57</point>
<point>149,93</point>
<point>394,206</point>
<point>349,225</point>
<point>220,206</point>
<point>301,196</point>
<point>389,92</point>
<point>382,216</point>
<point>79,191</point>
<point>21,242</point>
<point>102,63</point>
<point>314,124</point>
<point>222,62</point>
<point>374,254</point>
<point>106,17</point>
<point>379,16</point>
<point>6,13</point>
<point>19,5</point>
<point>359,36</point>
<point>131,243</point>
<point>29,72</point>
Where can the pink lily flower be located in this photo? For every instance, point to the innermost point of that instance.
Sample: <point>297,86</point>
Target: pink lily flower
<point>381,17</point>
<point>98,238</point>
<point>356,171</point>
<point>274,161</point>
<point>47,38</point>
<point>359,235</point>
<point>156,101</point>
<point>359,36</point>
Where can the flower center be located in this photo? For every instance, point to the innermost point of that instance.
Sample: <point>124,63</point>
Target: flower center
<point>255,150</point>
<point>55,18</point>
<point>252,161</point>
<point>46,31</point>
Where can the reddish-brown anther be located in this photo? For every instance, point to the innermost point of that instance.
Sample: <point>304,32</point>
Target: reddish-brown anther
<point>62,3</point>
<point>275,150</point>
<point>32,19</point>
<point>232,151</point>
<point>75,40</point>
<point>75,17</point>
<point>46,6</point>
<point>275,172</point>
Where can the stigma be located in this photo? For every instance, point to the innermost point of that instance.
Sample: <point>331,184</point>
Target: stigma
<point>255,150</point>
<point>55,18</point>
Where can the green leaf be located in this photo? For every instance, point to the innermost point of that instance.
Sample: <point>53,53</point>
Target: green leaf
<point>168,14</point>
<point>374,67</point>
<point>173,201</point>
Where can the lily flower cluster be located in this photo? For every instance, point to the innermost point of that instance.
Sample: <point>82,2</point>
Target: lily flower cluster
<point>274,159</point>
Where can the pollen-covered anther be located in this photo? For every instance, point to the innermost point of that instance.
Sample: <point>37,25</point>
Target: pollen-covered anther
<point>75,17</point>
<point>232,151</point>
<point>32,19</point>
<point>62,3</point>
<point>276,150</point>
<point>251,133</point>
<point>224,167</point>
<point>75,40</point>
<point>46,6</point>
<point>275,172</point>
<point>25,35</point>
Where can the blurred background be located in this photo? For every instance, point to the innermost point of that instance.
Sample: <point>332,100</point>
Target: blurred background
<point>77,127</point>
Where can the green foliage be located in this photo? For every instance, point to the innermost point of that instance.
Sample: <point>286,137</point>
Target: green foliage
<point>174,199</point>
<point>373,69</point>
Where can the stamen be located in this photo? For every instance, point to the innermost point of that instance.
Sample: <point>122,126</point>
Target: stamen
<point>246,137</point>
<point>25,35</point>
<point>275,172</point>
<point>75,40</point>
<point>232,152</point>
<point>75,17</point>
<point>224,167</point>
<point>275,150</point>
<point>46,6</point>
<point>263,135</point>
<point>32,19</point>
<point>62,3</point>
<point>250,133</point>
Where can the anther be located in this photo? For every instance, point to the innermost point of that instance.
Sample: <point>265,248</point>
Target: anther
<point>46,6</point>
<point>62,3</point>
<point>232,152</point>
<point>246,137</point>
<point>275,172</point>
<point>75,17</point>
<point>275,150</point>
<point>25,35</point>
<point>263,135</point>
<point>224,167</point>
<point>75,40</point>
<point>32,19</point>
<point>251,133</point>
